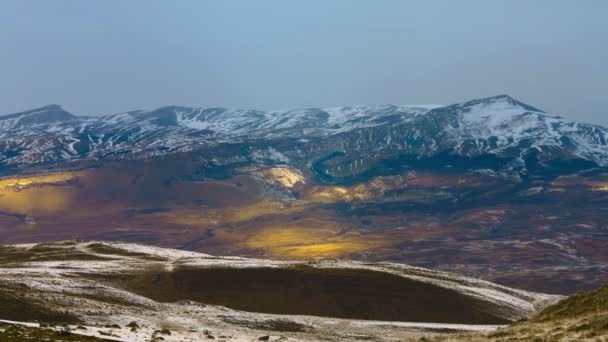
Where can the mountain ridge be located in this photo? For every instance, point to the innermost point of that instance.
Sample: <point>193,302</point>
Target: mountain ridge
<point>498,125</point>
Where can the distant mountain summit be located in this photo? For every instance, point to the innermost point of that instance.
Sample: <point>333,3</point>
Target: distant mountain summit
<point>43,115</point>
<point>499,126</point>
<point>506,127</point>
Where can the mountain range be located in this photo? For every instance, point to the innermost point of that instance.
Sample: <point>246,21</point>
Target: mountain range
<point>518,134</point>
<point>492,188</point>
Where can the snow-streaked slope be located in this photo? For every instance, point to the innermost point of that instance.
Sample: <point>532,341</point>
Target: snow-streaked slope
<point>254,123</point>
<point>498,125</point>
<point>503,123</point>
<point>515,303</point>
<point>54,138</point>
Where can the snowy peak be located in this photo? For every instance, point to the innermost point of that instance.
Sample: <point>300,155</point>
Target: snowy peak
<point>501,99</point>
<point>51,112</point>
<point>35,117</point>
<point>503,126</point>
<point>492,110</point>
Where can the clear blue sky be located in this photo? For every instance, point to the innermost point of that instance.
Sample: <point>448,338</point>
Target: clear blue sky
<point>105,56</point>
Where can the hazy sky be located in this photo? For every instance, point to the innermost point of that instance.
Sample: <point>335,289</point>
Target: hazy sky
<point>97,57</point>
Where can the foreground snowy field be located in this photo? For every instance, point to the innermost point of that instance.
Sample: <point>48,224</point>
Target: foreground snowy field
<point>130,292</point>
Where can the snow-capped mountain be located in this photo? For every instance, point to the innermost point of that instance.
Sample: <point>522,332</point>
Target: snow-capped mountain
<point>499,126</point>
